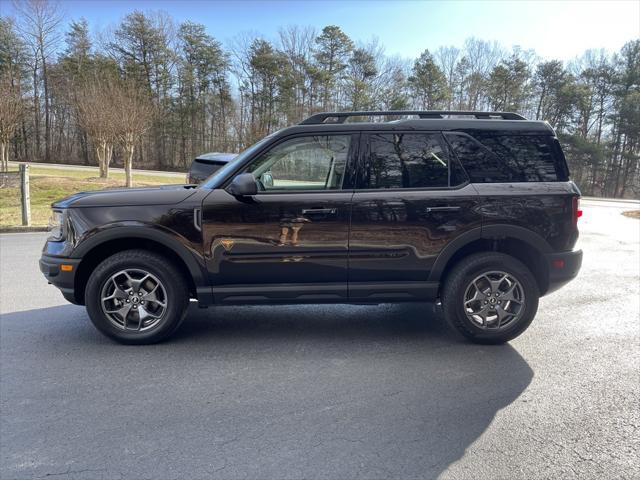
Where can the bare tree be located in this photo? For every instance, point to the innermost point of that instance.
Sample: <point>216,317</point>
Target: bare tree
<point>296,43</point>
<point>134,114</point>
<point>39,25</point>
<point>11,112</point>
<point>96,115</point>
<point>447,58</point>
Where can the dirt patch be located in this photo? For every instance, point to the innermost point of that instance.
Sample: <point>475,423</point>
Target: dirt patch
<point>632,213</point>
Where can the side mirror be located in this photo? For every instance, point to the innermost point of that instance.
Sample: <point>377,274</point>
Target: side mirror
<point>244,185</point>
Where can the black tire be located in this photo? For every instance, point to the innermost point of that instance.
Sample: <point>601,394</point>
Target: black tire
<point>468,269</point>
<point>172,280</point>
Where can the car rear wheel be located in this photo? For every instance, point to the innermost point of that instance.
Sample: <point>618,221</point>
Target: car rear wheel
<point>136,297</point>
<point>490,297</point>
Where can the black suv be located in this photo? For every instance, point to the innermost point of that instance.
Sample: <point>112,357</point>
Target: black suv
<point>474,210</point>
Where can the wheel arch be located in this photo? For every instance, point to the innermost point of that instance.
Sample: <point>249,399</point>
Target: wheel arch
<point>518,242</point>
<point>95,249</point>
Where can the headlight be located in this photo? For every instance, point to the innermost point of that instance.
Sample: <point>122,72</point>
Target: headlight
<point>56,225</point>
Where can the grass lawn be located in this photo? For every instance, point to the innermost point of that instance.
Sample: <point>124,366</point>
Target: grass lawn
<point>50,184</point>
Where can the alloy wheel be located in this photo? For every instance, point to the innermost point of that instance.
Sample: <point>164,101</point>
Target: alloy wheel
<point>494,300</point>
<point>134,300</point>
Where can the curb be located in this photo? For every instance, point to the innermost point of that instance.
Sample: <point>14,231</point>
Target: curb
<point>21,229</point>
<point>631,201</point>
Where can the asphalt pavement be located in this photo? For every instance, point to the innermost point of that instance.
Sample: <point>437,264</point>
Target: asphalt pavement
<point>328,392</point>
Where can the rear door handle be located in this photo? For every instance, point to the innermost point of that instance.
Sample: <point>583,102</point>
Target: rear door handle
<point>317,211</point>
<point>441,209</point>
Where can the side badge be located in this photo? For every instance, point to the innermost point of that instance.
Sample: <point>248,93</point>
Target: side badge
<point>227,243</point>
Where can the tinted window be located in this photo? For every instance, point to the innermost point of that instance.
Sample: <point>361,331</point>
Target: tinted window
<point>407,160</point>
<point>491,157</point>
<point>303,163</point>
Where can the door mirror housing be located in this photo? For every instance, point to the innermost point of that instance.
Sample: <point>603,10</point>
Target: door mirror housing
<point>243,185</point>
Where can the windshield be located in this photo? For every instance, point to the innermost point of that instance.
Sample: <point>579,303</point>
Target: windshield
<point>214,180</point>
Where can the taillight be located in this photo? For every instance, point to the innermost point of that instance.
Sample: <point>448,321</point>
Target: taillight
<point>577,213</point>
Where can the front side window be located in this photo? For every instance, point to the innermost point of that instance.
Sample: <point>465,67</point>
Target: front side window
<point>407,160</point>
<point>303,163</point>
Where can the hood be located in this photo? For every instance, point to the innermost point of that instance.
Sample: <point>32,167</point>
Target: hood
<point>121,197</point>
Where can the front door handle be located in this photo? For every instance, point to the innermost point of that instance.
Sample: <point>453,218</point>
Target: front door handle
<point>441,209</point>
<point>318,211</point>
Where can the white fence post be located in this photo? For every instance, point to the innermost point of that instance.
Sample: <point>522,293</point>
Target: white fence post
<point>24,194</point>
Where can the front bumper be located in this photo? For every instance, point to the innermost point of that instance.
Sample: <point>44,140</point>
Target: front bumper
<point>64,279</point>
<point>562,267</point>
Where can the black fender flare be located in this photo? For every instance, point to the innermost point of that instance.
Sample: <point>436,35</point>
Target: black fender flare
<point>487,232</point>
<point>144,231</point>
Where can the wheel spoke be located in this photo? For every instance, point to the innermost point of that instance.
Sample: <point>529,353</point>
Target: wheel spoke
<point>508,294</point>
<point>483,315</point>
<point>123,311</point>
<point>152,297</point>
<point>135,284</point>
<point>144,314</point>
<point>478,287</point>
<point>477,296</point>
<point>502,314</point>
<point>118,294</point>
<point>495,284</point>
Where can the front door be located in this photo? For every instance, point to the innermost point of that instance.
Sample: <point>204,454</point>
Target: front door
<point>411,200</point>
<point>290,241</point>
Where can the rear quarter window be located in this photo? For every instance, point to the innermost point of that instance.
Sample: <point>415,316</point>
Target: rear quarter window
<point>490,157</point>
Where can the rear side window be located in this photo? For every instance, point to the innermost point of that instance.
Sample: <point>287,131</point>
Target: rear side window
<point>490,157</point>
<point>408,160</point>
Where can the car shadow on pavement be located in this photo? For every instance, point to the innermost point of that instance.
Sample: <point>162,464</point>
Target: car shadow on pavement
<point>270,392</point>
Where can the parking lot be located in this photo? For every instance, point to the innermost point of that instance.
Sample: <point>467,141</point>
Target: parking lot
<point>328,391</point>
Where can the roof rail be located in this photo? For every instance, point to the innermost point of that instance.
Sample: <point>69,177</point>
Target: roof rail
<point>341,117</point>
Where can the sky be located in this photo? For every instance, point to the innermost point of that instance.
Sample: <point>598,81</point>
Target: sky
<point>554,29</point>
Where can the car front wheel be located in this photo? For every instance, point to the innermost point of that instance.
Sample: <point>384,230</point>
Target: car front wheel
<point>136,297</point>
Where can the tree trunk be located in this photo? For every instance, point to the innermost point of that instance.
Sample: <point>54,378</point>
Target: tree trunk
<point>84,147</point>
<point>47,120</point>
<point>36,113</point>
<point>128,161</point>
<point>540,101</point>
<point>4,157</point>
<point>100,155</point>
<point>107,159</point>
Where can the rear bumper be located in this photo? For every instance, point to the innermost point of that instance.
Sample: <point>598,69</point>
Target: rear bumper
<point>64,280</point>
<point>563,267</point>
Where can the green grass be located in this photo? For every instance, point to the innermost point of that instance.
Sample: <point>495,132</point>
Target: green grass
<point>50,184</point>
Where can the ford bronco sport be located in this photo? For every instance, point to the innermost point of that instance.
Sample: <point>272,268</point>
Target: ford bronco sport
<point>474,210</point>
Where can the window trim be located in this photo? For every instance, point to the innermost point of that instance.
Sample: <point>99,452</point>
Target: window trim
<point>349,177</point>
<point>365,150</point>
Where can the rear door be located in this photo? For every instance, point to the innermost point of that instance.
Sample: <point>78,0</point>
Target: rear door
<point>412,198</point>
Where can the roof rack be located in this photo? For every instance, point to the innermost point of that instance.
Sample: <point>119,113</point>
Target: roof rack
<point>341,117</point>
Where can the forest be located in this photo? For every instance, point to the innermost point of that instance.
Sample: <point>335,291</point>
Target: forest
<point>153,93</point>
